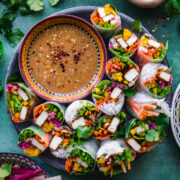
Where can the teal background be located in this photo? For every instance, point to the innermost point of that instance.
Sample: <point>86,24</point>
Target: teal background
<point>161,163</point>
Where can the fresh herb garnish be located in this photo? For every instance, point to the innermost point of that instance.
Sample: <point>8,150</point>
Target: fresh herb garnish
<point>35,5</point>
<point>5,171</point>
<point>136,26</point>
<point>15,77</point>
<point>172,7</point>
<point>130,92</point>
<point>53,2</point>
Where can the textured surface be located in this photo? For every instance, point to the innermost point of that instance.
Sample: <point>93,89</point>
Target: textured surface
<point>164,161</point>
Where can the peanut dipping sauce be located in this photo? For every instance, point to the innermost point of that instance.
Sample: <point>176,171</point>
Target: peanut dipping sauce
<point>63,59</point>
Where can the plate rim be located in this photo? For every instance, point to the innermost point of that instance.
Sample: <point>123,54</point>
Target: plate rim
<point>69,11</point>
<point>41,22</point>
<point>25,156</point>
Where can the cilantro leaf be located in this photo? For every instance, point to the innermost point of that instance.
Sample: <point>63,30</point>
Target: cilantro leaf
<point>152,135</point>
<point>15,37</point>
<point>5,170</point>
<point>84,132</point>
<point>53,2</point>
<point>24,10</point>
<point>35,5</point>
<point>17,2</point>
<point>136,26</point>
<point>172,7</point>
<point>1,49</point>
<point>130,92</point>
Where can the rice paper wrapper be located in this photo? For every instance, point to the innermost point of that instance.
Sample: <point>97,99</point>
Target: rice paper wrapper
<point>141,59</point>
<point>73,108</point>
<point>114,53</point>
<point>124,85</point>
<point>108,32</point>
<point>142,98</point>
<point>43,135</point>
<point>90,147</point>
<point>62,153</point>
<point>35,100</point>
<point>147,72</point>
<point>110,147</point>
<point>60,107</point>
<point>111,108</point>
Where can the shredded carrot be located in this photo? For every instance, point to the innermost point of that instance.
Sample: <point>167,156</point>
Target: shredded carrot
<point>129,166</point>
<point>68,164</point>
<point>123,166</point>
<point>65,142</point>
<point>38,110</point>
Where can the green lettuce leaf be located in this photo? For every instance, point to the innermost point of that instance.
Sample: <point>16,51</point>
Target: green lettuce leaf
<point>136,25</point>
<point>53,2</point>
<point>84,132</point>
<point>35,5</point>
<point>130,92</point>
<point>162,120</point>
<point>5,171</point>
<point>27,133</point>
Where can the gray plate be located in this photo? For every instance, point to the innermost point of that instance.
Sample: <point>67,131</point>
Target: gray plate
<point>83,12</point>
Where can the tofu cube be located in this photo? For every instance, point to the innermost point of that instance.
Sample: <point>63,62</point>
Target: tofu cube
<point>114,124</point>
<point>78,122</point>
<point>38,145</point>
<point>81,162</point>
<point>56,141</point>
<point>108,17</point>
<point>115,45</point>
<point>132,40</point>
<point>131,75</point>
<point>145,50</point>
<point>23,113</point>
<point>140,129</point>
<point>42,118</point>
<point>101,12</point>
<point>165,76</point>
<point>116,93</point>
<point>122,42</point>
<point>22,94</point>
<point>134,144</point>
<point>154,43</point>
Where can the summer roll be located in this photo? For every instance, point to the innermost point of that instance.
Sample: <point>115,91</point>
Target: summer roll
<point>82,113</point>
<point>33,140</point>
<point>113,157</point>
<point>108,97</point>
<point>110,126</point>
<point>123,71</point>
<point>150,51</point>
<point>106,20</point>
<point>20,101</point>
<point>82,159</point>
<point>144,106</point>
<point>156,80</point>
<point>142,135</point>
<point>62,142</point>
<point>124,43</point>
<point>49,115</point>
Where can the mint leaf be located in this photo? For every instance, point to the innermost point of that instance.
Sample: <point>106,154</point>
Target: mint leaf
<point>1,49</point>
<point>136,26</point>
<point>84,132</point>
<point>130,92</point>
<point>15,37</point>
<point>35,5</point>
<point>172,7</point>
<point>5,170</point>
<point>152,135</point>
<point>53,2</point>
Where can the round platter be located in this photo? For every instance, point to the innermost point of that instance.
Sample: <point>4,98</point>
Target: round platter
<point>21,160</point>
<point>84,13</point>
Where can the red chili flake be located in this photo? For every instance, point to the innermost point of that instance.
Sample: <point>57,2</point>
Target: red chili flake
<point>49,45</point>
<point>163,35</point>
